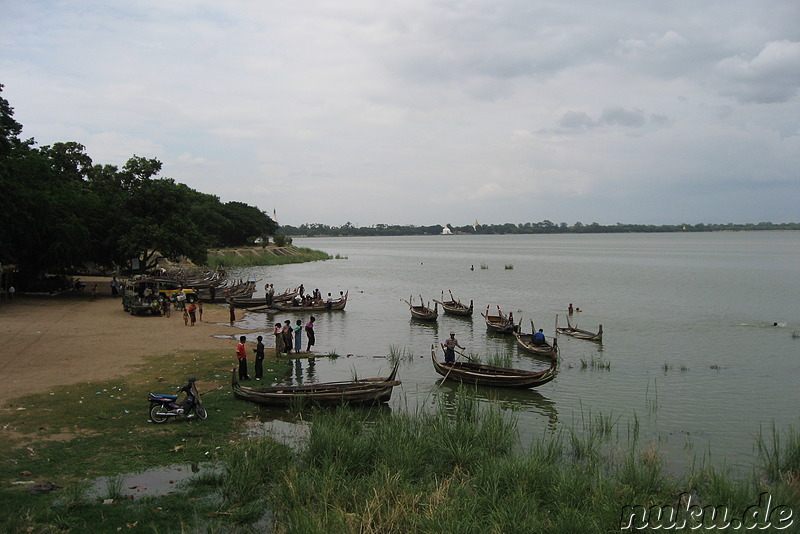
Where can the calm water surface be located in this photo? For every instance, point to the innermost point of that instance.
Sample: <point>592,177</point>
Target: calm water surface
<point>689,348</point>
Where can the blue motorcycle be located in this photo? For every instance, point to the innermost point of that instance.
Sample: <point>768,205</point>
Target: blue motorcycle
<point>163,407</point>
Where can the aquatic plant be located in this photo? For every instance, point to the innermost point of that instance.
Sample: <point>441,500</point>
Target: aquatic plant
<point>499,359</point>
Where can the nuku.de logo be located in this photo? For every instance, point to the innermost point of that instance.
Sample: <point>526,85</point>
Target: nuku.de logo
<point>765,514</point>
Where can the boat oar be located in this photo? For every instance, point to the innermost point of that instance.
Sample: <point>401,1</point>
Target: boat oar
<point>448,371</point>
<point>466,356</point>
<point>451,365</point>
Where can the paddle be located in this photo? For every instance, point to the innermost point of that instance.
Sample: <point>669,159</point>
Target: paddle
<point>466,356</point>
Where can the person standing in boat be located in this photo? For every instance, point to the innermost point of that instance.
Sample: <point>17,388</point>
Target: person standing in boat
<point>241,357</point>
<point>310,333</point>
<point>449,347</point>
<point>570,310</point>
<point>259,350</point>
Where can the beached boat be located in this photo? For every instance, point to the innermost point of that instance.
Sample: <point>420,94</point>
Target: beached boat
<point>354,392</point>
<point>261,302</point>
<point>455,307</point>
<point>500,323</point>
<point>423,312</point>
<point>289,306</point>
<point>489,375</point>
<point>570,330</point>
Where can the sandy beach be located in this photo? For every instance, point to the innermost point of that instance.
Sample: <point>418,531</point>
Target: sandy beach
<point>48,341</point>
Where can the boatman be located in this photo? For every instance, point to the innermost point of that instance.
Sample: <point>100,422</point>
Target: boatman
<point>538,338</point>
<point>449,347</point>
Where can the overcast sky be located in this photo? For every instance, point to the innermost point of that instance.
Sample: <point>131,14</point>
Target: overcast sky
<point>429,112</point>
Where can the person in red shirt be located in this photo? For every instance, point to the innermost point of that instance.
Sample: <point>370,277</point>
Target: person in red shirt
<point>241,355</point>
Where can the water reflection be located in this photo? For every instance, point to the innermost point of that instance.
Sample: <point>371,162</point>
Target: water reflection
<point>527,400</point>
<point>294,421</point>
<point>417,327</point>
<point>297,377</point>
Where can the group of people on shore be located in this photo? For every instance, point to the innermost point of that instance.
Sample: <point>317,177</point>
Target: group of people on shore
<point>287,338</point>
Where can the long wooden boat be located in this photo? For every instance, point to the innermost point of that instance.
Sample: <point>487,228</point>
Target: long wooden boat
<point>570,330</point>
<point>489,375</point>
<point>227,290</point>
<point>260,302</point>
<point>334,305</point>
<point>423,312</point>
<point>354,392</point>
<point>500,323</point>
<point>455,307</point>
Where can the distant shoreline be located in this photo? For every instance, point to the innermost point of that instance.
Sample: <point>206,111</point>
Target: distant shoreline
<point>375,232</point>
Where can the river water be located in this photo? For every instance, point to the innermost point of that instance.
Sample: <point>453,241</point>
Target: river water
<point>690,355</point>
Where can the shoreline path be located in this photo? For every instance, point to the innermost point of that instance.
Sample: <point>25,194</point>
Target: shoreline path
<point>69,338</point>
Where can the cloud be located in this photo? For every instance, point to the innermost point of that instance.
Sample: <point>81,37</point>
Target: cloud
<point>610,116</point>
<point>391,113</point>
<point>773,75</point>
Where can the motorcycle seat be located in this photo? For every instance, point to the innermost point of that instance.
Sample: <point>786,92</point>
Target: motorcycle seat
<point>156,397</point>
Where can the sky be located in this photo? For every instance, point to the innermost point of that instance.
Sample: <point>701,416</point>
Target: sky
<point>423,112</point>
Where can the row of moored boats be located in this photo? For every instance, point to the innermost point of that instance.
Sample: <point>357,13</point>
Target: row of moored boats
<point>379,389</point>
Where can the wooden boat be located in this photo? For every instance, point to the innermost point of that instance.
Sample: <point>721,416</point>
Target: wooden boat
<point>261,302</point>
<point>334,305</point>
<point>227,290</point>
<point>455,307</point>
<point>570,330</point>
<point>500,323</point>
<point>545,350</point>
<point>422,312</point>
<point>489,375</point>
<point>354,392</point>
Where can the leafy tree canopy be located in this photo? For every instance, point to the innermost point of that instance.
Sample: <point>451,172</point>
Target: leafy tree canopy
<point>60,210</point>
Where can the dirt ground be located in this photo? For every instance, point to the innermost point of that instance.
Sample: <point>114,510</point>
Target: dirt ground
<point>48,341</point>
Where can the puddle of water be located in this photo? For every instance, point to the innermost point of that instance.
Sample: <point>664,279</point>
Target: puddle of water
<point>152,482</point>
<point>292,433</point>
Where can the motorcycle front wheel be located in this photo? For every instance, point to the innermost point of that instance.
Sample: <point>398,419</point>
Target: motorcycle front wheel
<point>201,411</point>
<point>156,414</point>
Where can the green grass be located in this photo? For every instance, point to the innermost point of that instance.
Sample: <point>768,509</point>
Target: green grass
<point>499,359</point>
<point>266,257</point>
<point>595,364</point>
<point>454,468</point>
<point>74,434</point>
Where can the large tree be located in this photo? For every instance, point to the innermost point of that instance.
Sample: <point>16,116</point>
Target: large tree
<point>59,211</point>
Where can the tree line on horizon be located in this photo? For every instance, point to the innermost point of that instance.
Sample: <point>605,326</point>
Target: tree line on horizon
<point>60,211</point>
<point>544,227</point>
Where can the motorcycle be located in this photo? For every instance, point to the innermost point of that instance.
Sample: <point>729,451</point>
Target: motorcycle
<point>162,407</point>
